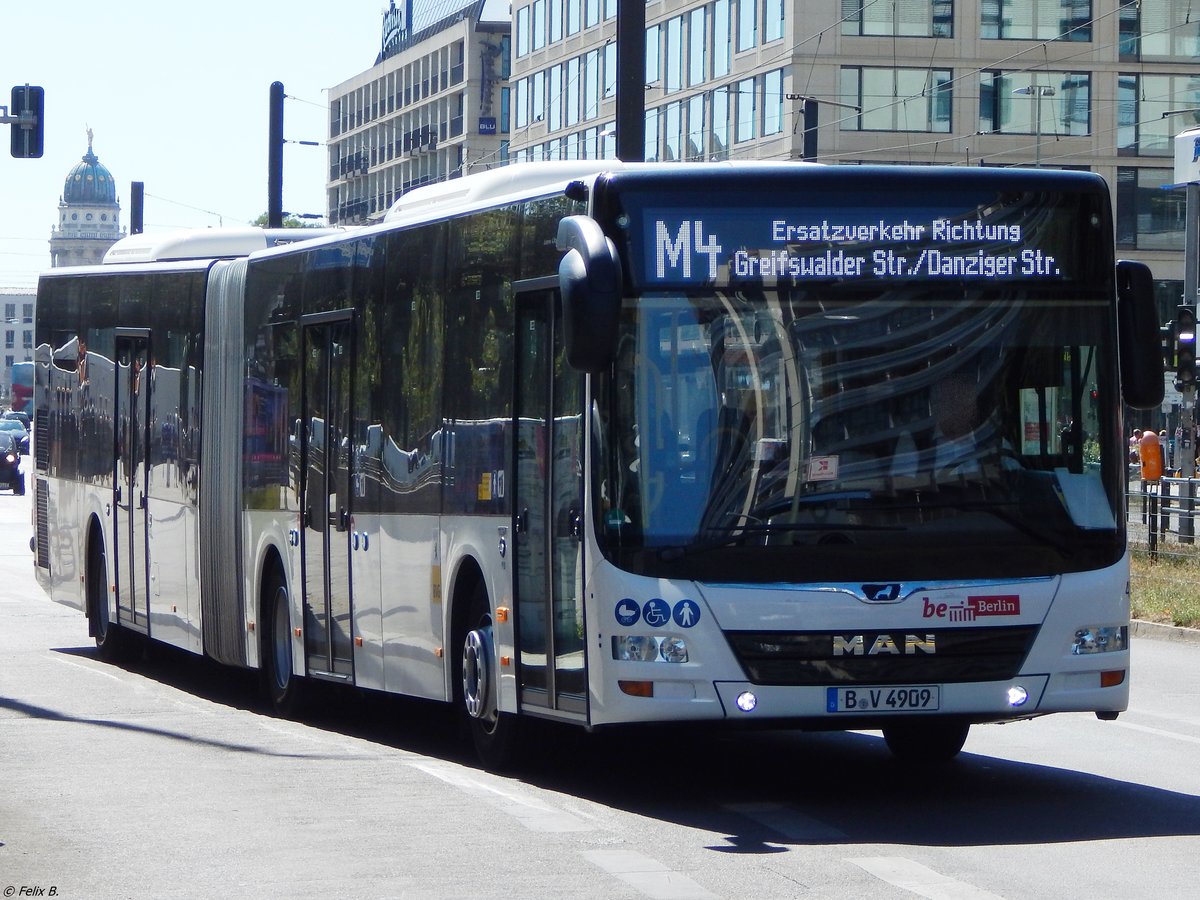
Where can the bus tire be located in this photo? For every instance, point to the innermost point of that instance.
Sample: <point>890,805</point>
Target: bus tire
<point>284,687</point>
<point>112,641</point>
<point>926,740</point>
<point>494,733</point>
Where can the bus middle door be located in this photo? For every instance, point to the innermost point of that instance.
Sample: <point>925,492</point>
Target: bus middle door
<point>325,500</point>
<point>131,524</point>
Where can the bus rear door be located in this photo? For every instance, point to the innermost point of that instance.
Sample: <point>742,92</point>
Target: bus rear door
<point>131,525</point>
<point>325,500</point>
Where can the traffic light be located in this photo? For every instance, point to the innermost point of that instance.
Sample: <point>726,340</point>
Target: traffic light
<point>27,101</point>
<point>1166,341</point>
<point>1185,347</point>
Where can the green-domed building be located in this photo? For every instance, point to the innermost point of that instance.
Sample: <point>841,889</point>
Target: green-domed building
<point>88,214</point>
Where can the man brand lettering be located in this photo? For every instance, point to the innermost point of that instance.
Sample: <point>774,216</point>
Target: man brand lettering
<point>678,250</point>
<point>884,645</point>
<point>972,608</point>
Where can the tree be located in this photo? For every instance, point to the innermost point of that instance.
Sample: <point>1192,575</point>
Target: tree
<point>289,221</point>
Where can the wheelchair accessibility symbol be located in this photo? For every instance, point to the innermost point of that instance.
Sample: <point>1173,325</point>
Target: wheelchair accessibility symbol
<point>656,612</point>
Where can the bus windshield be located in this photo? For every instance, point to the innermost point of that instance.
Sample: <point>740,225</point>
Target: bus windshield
<point>790,423</point>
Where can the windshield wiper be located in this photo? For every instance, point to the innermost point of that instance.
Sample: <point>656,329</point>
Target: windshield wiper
<point>741,532</point>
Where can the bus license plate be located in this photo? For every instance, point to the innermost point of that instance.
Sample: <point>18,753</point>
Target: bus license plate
<point>882,699</point>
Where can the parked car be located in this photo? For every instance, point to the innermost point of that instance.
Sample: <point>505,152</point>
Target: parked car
<point>18,431</point>
<point>11,476</point>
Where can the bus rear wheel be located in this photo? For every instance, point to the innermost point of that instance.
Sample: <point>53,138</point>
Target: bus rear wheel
<point>494,733</point>
<point>284,688</point>
<point>112,641</point>
<point>926,740</point>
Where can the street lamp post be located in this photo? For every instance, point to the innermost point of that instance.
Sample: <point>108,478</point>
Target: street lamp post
<point>1038,91</point>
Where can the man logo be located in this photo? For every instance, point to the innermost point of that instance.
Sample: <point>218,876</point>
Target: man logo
<point>884,645</point>
<point>881,593</point>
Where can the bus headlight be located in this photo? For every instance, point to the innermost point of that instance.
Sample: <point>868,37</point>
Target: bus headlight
<point>1101,639</point>
<point>649,648</point>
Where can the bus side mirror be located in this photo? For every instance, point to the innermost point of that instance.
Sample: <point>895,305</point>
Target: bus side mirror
<point>589,278</point>
<point>1138,336</point>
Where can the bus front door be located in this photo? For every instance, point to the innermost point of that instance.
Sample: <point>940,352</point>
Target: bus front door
<point>130,521</point>
<point>325,494</point>
<point>548,511</point>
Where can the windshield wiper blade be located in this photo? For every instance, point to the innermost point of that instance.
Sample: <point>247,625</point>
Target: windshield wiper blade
<point>743,532</point>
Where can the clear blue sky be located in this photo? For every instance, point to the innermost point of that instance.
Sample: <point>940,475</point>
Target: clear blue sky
<point>177,97</point>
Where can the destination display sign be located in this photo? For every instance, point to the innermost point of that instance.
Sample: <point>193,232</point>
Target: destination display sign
<point>721,246</point>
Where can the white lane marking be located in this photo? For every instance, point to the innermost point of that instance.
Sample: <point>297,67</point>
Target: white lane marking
<point>647,876</point>
<point>792,825</point>
<point>921,880</point>
<point>534,814</point>
<point>1159,732</point>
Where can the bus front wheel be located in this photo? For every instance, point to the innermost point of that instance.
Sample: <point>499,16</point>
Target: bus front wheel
<point>926,740</point>
<point>494,733</point>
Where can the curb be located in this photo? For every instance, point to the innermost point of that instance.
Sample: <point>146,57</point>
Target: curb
<point>1143,629</point>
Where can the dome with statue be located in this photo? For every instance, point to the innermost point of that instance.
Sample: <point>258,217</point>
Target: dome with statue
<point>90,181</point>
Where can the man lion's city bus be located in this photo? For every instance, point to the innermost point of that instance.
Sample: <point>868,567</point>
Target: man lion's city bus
<point>803,446</point>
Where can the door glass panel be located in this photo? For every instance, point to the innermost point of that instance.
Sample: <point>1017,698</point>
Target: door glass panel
<point>326,498</point>
<point>532,405</point>
<point>132,392</point>
<point>548,508</point>
<point>566,485</point>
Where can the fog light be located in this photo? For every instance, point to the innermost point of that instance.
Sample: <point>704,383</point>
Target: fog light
<point>746,701</point>
<point>1017,696</point>
<point>1101,639</point>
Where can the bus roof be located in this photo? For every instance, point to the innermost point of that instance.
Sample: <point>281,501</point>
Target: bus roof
<point>504,183</point>
<point>207,243</point>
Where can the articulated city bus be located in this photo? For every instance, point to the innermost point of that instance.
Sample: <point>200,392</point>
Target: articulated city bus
<point>804,446</point>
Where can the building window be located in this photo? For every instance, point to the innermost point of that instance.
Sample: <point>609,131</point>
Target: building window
<point>772,102</point>
<point>1159,29</point>
<point>673,70</point>
<point>1142,129</point>
<point>747,24</point>
<point>573,90</point>
<point>574,7</point>
<point>747,106</point>
<point>651,143</point>
<point>1036,20</point>
<point>539,24</point>
<point>1149,218</point>
<point>556,20</point>
<point>610,69</point>
<point>695,124</point>
<point>653,54</point>
<point>900,18</point>
<point>521,112</point>
<point>673,132</point>
<point>591,85</point>
<point>897,99</point>
<point>1060,105</point>
<point>722,46</point>
<point>10,339</point>
<point>522,35</point>
<point>697,45</point>
<point>554,119</point>
<point>720,123</point>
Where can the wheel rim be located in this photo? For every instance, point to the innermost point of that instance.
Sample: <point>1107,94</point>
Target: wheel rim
<point>281,638</point>
<point>477,695</point>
